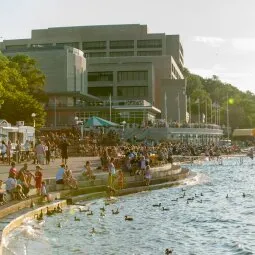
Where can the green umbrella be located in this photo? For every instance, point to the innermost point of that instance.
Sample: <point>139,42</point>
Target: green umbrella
<point>99,122</point>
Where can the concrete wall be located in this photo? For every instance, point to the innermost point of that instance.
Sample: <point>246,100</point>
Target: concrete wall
<point>19,221</point>
<point>64,69</point>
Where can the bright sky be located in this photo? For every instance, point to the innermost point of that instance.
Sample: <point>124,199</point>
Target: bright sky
<point>218,36</point>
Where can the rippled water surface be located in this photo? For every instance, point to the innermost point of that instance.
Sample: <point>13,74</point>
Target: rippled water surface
<point>210,224</point>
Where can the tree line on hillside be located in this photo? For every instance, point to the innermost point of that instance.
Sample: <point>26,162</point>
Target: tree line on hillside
<point>21,90</point>
<point>217,97</point>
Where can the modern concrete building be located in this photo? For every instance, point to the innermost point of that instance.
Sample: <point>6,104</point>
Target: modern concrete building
<point>124,61</point>
<point>66,83</point>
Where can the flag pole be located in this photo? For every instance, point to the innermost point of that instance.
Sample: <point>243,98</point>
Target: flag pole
<point>206,111</point>
<point>199,113</point>
<point>179,110</point>
<point>110,99</point>
<point>189,110</point>
<point>166,109</point>
<point>211,112</point>
<point>227,118</point>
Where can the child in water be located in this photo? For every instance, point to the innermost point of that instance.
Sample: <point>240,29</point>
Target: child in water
<point>147,175</point>
<point>38,179</point>
<point>120,179</point>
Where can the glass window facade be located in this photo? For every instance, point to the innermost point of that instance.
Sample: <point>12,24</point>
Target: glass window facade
<point>94,45</point>
<point>155,43</point>
<point>100,76</point>
<point>71,44</point>
<point>123,44</point>
<point>149,53</point>
<point>121,53</point>
<point>14,47</point>
<point>100,91</point>
<point>132,75</point>
<point>132,91</point>
<point>41,45</point>
<point>96,54</point>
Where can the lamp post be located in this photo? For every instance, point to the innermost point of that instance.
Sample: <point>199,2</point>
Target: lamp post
<point>33,115</point>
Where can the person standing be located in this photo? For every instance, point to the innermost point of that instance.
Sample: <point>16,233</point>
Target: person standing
<point>40,153</point>
<point>38,179</point>
<point>112,172</point>
<point>3,150</point>
<point>9,151</point>
<point>18,151</point>
<point>47,152</point>
<point>64,151</point>
<point>27,147</point>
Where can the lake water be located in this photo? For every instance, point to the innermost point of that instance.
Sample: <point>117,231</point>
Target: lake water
<point>209,224</point>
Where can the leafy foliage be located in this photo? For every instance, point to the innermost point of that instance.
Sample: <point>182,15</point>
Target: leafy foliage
<point>21,89</point>
<point>212,91</point>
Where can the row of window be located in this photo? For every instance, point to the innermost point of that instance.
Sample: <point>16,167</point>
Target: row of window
<point>122,44</point>
<point>122,76</point>
<point>100,76</point>
<point>127,91</point>
<point>133,75</point>
<point>123,54</point>
<point>100,45</point>
<point>149,53</point>
<point>132,91</point>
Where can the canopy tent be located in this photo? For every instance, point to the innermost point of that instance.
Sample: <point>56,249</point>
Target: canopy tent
<point>99,122</point>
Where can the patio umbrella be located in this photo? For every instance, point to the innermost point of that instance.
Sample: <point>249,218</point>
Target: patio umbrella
<point>99,122</point>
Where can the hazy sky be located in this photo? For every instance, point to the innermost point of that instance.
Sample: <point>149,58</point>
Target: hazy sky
<point>218,36</point>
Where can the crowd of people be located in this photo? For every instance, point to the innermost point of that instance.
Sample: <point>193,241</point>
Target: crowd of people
<point>19,183</point>
<point>117,159</point>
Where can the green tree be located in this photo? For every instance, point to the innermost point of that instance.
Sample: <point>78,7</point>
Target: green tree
<point>20,101</point>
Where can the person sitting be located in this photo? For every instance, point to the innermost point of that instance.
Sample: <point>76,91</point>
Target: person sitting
<point>44,192</point>
<point>2,194</point>
<point>120,179</point>
<point>88,172</point>
<point>19,193</point>
<point>69,179</point>
<point>11,184</point>
<point>60,174</point>
<point>13,171</point>
<point>25,175</point>
<point>23,178</point>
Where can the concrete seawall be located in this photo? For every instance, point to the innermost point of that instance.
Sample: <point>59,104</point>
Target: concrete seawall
<point>20,220</point>
<point>162,177</point>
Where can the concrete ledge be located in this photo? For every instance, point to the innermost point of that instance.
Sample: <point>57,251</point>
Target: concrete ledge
<point>162,177</point>
<point>19,220</point>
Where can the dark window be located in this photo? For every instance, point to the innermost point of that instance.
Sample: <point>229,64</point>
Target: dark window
<point>132,75</point>
<point>100,76</point>
<point>14,47</point>
<point>121,53</point>
<point>100,91</point>
<point>123,44</point>
<point>95,45</point>
<point>132,91</point>
<point>96,54</point>
<point>156,43</point>
<point>71,44</point>
<point>149,53</point>
<point>41,45</point>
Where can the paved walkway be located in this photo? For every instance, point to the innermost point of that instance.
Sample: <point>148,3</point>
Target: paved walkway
<point>75,164</point>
